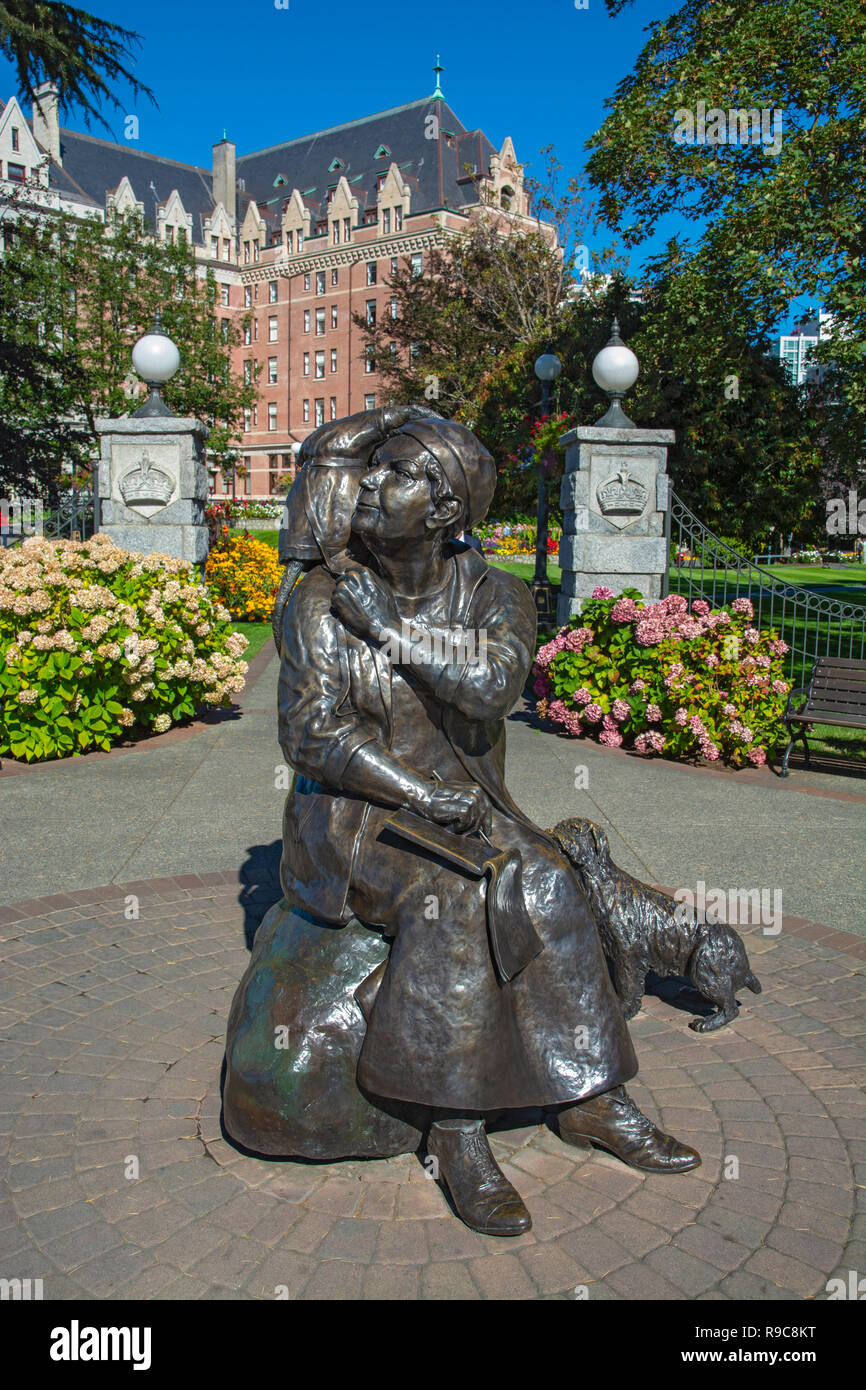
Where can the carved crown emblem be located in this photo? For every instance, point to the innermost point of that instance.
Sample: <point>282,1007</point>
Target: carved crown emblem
<point>146,486</point>
<point>621,496</point>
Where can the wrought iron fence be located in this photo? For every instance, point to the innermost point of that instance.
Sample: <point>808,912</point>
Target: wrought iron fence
<point>813,624</point>
<point>72,516</point>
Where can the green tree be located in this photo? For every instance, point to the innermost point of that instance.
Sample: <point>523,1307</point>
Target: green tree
<point>74,297</point>
<point>45,39</point>
<point>782,208</point>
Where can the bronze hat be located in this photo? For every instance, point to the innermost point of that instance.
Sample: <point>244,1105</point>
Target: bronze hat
<point>468,467</point>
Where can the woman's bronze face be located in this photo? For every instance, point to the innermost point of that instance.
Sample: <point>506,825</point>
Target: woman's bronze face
<point>395,503</point>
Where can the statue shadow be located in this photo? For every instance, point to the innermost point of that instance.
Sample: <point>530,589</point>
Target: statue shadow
<point>260,886</point>
<point>678,993</point>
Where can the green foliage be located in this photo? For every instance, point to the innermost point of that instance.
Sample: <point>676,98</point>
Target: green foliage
<point>48,39</point>
<point>97,643</point>
<point>660,679</point>
<point>74,297</point>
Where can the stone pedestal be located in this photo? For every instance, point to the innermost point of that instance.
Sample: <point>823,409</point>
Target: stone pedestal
<point>153,484</point>
<point>614,500</point>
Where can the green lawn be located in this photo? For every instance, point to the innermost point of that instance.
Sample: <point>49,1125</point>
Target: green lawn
<point>269,537</point>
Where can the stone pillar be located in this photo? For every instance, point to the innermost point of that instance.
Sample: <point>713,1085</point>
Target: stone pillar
<point>614,501</point>
<point>153,484</point>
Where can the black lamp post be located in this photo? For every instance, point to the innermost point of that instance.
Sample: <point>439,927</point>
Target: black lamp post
<point>547,369</point>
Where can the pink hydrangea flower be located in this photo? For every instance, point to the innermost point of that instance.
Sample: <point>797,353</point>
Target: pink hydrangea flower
<point>621,710</point>
<point>542,686</point>
<point>681,717</point>
<point>625,610</point>
<point>636,686</point>
<point>593,713</point>
<point>710,750</point>
<point>557,710</point>
<point>655,740</point>
<point>752,635</point>
<point>582,696</point>
<point>573,724</point>
<point>729,709</point>
<point>653,714</point>
<point>712,659</point>
<point>602,591</point>
<point>640,743</point>
<point>744,606</point>
<point>757,756</point>
<point>777,647</point>
<point>610,738</point>
<point>701,607</point>
<point>780,687</point>
<point>696,726</point>
<point>609,723</point>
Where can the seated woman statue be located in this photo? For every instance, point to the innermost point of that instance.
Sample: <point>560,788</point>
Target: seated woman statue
<point>399,666</point>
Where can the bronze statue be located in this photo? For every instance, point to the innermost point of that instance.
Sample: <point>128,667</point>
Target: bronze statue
<point>642,929</point>
<point>435,958</point>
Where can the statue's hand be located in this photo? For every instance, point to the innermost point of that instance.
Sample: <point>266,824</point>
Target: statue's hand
<point>462,806</point>
<point>364,602</point>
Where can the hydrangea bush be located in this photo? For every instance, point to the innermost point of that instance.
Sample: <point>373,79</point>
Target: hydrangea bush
<point>244,574</point>
<point>663,678</point>
<point>96,641</point>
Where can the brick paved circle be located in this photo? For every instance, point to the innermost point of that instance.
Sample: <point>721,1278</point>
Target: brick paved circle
<point>113,1035</point>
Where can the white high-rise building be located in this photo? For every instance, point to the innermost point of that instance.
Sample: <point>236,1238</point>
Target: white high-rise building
<point>795,349</point>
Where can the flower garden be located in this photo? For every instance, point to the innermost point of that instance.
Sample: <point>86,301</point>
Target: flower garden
<point>665,678</point>
<point>99,643</point>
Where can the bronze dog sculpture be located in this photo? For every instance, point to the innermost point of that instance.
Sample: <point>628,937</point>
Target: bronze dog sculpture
<point>643,929</point>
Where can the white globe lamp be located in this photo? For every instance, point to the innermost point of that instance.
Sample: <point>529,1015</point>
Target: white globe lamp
<point>615,370</point>
<point>156,359</point>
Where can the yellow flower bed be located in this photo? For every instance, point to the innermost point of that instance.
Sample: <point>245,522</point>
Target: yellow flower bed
<point>244,574</point>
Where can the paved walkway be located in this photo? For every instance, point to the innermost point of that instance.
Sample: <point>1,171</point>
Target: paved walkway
<point>116,985</point>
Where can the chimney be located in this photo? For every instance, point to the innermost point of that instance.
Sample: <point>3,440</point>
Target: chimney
<point>224,177</point>
<point>46,118</point>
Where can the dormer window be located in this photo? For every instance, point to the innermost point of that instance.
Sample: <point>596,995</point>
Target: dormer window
<point>331,192</point>
<point>382,153</point>
<point>280,180</point>
<point>380,182</point>
<point>334,165</point>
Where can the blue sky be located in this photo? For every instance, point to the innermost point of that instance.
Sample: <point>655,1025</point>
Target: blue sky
<point>540,73</point>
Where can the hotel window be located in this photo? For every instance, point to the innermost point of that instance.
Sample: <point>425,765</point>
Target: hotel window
<point>290,243</point>
<point>333,316</point>
<point>306,282</point>
<point>306,412</point>
<point>371,312</point>
<point>371,272</point>
<point>418,264</point>
<point>322,227</point>
<point>255,330</point>
<point>393,350</point>
<point>272,328</point>
<point>227,249</point>
<point>320,282</point>
<point>393,265</point>
<point>256,290</point>
<point>248,372</point>
<point>333,407</point>
<point>246,253</point>
<point>272,371</point>
<point>398,219</point>
<point>347,228</point>
<point>386,221</point>
<point>225,330</point>
<point>394,307</point>
<point>320,365</point>
<point>369,402</point>
<point>272,473</point>
<point>16,145</point>
<point>320,410</point>
<point>335,277</point>
<point>300,241</point>
<point>272,415</point>
<point>335,232</point>
<point>380,182</point>
<point>215,247</point>
<point>248,420</point>
<point>248,477</point>
<point>369,361</point>
<point>255,416</point>
<point>248,334</point>
<point>169,231</point>
<point>306,320</point>
<point>256,250</point>
<point>331,192</point>
<point>414,352</point>
<point>224,296</point>
<point>248,297</point>
<point>320,322</point>
<point>306,364</point>
<point>333,359</point>
<point>272,291</point>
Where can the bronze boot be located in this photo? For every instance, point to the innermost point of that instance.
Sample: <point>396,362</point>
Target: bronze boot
<point>613,1121</point>
<point>481,1193</point>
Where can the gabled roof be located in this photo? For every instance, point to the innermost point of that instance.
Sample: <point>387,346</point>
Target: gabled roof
<point>431,167</point>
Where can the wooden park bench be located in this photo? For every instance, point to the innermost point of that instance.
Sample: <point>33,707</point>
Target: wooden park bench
<point>836,694</point>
